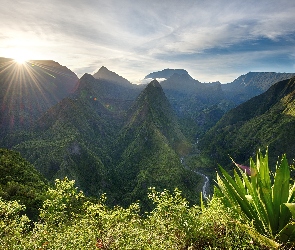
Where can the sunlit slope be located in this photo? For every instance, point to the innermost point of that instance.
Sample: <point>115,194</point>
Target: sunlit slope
<point>265,120</point>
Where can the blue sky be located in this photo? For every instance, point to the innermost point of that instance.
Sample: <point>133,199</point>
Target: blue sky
<point>212,39</point>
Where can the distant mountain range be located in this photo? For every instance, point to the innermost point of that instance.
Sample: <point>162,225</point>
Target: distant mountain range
<point>118,138</point>
<point>166,73</point>
<point>252,84</point>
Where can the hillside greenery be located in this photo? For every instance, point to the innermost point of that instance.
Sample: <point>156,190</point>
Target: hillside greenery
<point>62,217</point>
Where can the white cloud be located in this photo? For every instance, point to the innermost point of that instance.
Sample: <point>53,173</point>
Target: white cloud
<point>134,38</point>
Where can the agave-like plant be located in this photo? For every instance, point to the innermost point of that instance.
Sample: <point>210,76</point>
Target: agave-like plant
<point>265,199</point>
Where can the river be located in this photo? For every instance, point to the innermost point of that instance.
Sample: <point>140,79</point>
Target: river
<point>205,187</point>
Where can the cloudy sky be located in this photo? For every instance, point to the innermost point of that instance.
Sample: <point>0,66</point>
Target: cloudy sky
<point>212,39</point>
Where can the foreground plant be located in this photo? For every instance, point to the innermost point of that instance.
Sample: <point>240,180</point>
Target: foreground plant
<point>266,200</point>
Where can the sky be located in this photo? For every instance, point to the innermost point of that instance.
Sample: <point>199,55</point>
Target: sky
<point>214,40</point>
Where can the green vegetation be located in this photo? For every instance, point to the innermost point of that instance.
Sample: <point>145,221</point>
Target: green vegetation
<point>68,221</point>
<point>266,200</point>
<point>117,151</point>
<point>255,212</point>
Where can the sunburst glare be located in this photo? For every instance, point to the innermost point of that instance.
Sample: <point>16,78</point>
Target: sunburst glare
<point>20,56</point>
<point>28,88</point>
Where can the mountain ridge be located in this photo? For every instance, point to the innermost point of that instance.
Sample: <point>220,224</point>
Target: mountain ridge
<point>262,121</point>
<point>29,89</point>
<point>105,74</point>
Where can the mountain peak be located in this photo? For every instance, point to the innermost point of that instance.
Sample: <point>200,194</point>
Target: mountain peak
<point>154,84</point>
<point>166,73</point>
<point>106,74</point>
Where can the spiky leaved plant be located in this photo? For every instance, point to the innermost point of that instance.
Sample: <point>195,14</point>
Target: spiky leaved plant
<point>266,200</point>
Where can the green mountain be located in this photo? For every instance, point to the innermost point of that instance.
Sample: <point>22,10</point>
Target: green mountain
<point>265,120</point>
<point>29,89</point>
<point>149,149</point>
<point>74,137</point>
<point>118,138</point>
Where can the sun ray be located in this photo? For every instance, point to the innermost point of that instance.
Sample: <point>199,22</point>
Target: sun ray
<point>29,89</point>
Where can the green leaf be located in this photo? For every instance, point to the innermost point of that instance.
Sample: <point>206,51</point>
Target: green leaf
<point>261,220</point>
<point>236,196</point>
<point>287,233</point>
<point>281,194</point>
<point>291,207</point>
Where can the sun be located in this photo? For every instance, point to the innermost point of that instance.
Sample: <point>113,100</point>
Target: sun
<point>20,55</point>
<point>20,59</point>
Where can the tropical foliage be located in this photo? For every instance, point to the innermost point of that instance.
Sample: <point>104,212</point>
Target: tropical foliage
<point>265,199</point>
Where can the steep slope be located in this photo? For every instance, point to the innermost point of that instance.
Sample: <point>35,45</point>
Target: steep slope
<point>29,89</point>
<point>265,120</point>
<point>252,84</point>
<point>149,147</point>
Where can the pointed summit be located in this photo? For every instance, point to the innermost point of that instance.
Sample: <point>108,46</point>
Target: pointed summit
<point>149,146</point>
<point>105,74</point>
<point>152,108</point>
<point>154,84</point>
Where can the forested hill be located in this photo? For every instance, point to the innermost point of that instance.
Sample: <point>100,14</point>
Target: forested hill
<point>265,120</point>
<point>20,181</point>
<point>118,138</point>
<point>111,144</point>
